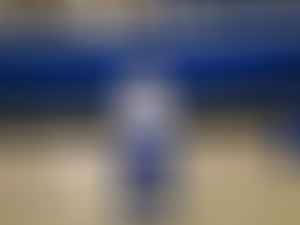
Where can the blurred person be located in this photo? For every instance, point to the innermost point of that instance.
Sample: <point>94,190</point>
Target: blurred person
<point>146,121</point>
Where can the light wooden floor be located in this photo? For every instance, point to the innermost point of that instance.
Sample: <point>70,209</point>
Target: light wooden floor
<point>52,174</point>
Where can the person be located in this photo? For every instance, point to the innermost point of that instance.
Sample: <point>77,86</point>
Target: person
<point>145,120</point>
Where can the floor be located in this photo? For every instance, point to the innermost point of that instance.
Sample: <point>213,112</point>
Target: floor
<point>61,172</point>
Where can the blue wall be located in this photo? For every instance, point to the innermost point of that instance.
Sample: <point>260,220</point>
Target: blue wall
<point>38,75</point>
